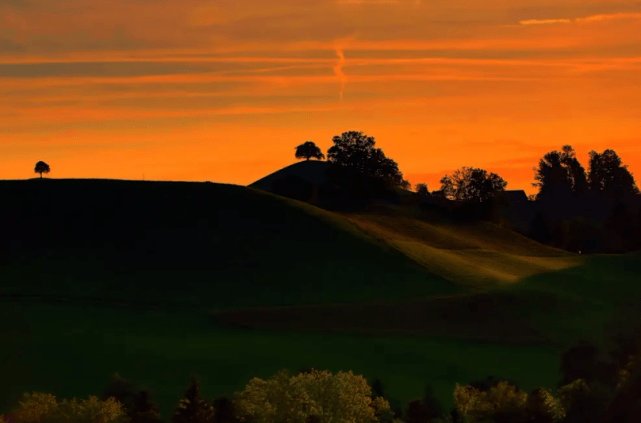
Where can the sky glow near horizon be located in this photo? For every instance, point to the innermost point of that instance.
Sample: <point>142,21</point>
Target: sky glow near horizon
<point>223,91</point>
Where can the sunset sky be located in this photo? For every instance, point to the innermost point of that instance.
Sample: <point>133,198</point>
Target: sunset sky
<point>224,90</point>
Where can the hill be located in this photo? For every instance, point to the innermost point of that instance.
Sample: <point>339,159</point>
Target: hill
<point>191,244</point>
<point>399,292</point>
<point>312,171</point>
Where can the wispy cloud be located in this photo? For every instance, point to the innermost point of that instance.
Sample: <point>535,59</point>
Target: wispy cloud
<point>587,19</point>
<point>338,70</point>
<point>544,21</point>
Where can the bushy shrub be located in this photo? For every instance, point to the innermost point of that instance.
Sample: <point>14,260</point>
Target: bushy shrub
<point>294,399</point>
<point>44,408</point>
<point>502,403</point>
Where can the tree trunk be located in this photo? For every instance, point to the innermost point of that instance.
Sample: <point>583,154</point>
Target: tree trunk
<point>307,158</point>
<point>40,175</point>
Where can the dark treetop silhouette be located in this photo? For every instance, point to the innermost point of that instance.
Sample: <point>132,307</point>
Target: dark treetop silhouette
<point>356,152</point>
<point>472,184</point>
<point>309,150</point>
<point>42,167</point>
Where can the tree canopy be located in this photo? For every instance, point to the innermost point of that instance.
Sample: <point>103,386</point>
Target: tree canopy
<point>39,407</point>
<point>316,396</point>
<point>356,152</point>
<point>421,190</point>
<point>609,177</point>
<point>42,167</point>
<point>309,150</point>
<point>472,185</point>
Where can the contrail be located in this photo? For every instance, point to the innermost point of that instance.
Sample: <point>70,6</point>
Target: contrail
<point>339,71</point>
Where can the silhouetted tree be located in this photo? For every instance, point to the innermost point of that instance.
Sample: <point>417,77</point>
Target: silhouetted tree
<point>358,173</point>
<point>542,407</point>
<point>355,152</point>
<point>42,167</point>
<point>192,408</point>
<point>224,411</point>
<point>608,178</point>
<point>579,362</point>
<point>378,389</point>
<point>122,390</point>
<point>492,382</point>
<point>421,190</point>
<point>472,185</point>
<point>309,150</point>
<point>144,411</point>
<point>576,172</point>
<point>430,401</point>
<point>417,412</point>
<point>554,180</point>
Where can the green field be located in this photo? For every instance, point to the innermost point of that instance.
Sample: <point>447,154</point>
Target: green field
<point>156,280</point>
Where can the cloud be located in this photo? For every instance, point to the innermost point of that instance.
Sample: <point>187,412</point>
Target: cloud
<point>338,71</point>
<point>587,19</point>
<point>544,21</point>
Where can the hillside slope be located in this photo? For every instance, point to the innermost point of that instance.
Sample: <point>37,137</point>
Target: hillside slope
<point>312,171</point>
<point>477,254</point>
<point>192,244</point>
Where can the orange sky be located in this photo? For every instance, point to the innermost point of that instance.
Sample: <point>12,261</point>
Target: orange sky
<point>223,91</point>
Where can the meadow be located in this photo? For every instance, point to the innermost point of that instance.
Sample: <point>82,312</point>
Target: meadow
<point>155,280</point>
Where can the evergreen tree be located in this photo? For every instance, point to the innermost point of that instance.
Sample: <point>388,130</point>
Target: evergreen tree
<point>192,408</point>
<point>121,390</point>
<point>144,411</point>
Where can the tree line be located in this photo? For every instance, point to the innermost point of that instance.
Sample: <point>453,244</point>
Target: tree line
<point>597,210</point>
<point>597,386</point>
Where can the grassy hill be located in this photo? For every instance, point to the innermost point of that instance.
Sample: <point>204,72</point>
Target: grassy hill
<point>158,279</point>
<point>312,171</point>
<point>191,244</point>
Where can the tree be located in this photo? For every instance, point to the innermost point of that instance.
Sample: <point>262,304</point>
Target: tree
<point>355,152</point>
<point>42,167</point>
<point>309,150</point>
<point>430,401</point>
<point>39,407</point>
<point>293,399</point>
<point>472,185</point>
<point>576,172</point>
<point>608,178</point>
<point>144,411</point>
<point>421,190</point>
<point>417,412</point>
<point>121,390</point>
<point>501,404</point>
<point>585,361</point>
<point>192,408</point>
<point>224,411</point>
<point>553,179</point>
<point>542,407</point>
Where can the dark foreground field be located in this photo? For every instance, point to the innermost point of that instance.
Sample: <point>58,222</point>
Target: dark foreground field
<point>155,280</point>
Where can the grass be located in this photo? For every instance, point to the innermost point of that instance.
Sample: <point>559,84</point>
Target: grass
<point>210,245</point>
<point>158,279</point>
<point>54,350</point>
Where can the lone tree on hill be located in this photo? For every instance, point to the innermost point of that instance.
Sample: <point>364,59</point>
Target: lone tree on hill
<point>309,150</point>
<point>472,184</point>
<point>42,167</point>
